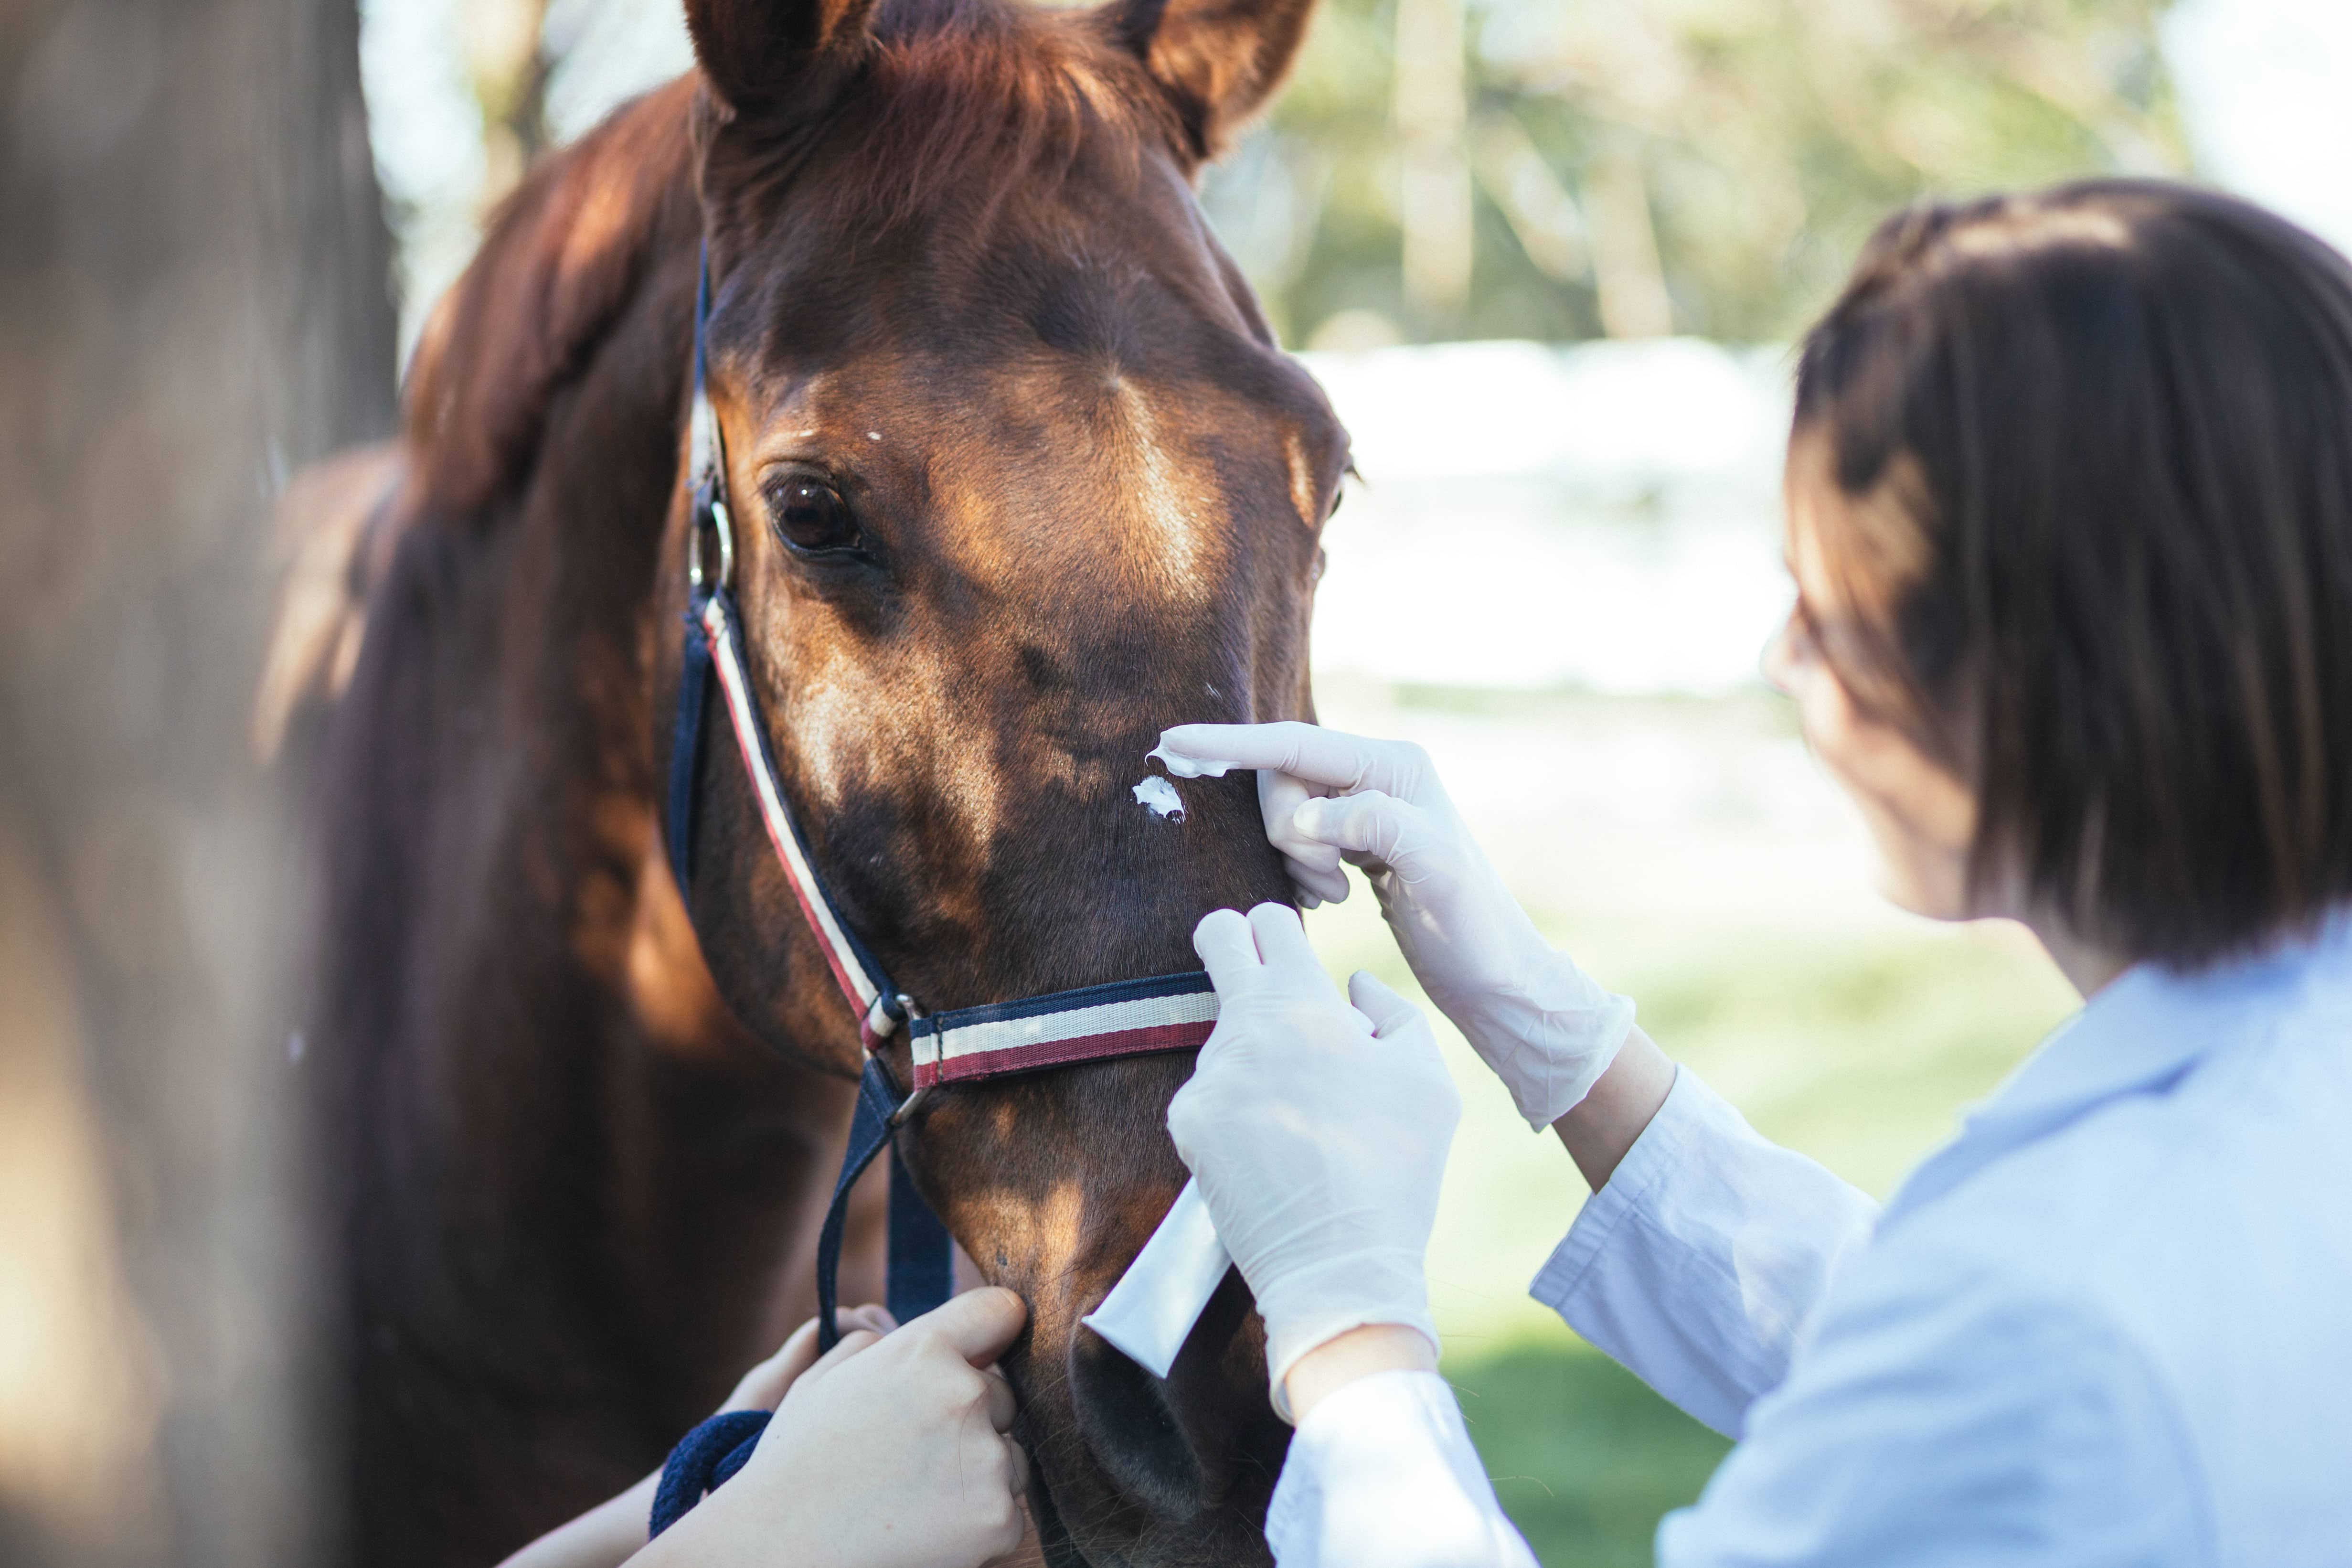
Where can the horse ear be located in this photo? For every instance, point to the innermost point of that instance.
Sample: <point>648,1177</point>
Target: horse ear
<point>757,52</point>
<point>1218,60</point>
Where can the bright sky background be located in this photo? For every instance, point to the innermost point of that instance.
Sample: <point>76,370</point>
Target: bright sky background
<point>427,132</point>
<point>2267,87</point>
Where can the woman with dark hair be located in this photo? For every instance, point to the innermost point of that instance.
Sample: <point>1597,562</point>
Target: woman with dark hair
<point>2070,516</point>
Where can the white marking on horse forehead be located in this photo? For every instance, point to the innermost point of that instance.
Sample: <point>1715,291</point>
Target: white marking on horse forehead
<point>824,734</point>
<point>1306,490</point>
<point>833,732</point>
<point>1167,499</point>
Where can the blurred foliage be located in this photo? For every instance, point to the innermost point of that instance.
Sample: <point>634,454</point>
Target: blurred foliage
<point>1584,1458</point>
<point>1764,138</point>
<point>1857,1051</point>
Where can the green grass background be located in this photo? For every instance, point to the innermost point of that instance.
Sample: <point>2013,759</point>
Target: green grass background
<point>1858,1048</point>
<point>1584,1458</point>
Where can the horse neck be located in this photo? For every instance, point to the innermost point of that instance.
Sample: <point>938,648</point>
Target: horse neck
<point>545,1116</point>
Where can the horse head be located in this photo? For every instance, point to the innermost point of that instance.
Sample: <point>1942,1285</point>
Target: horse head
<point>1019,477</point>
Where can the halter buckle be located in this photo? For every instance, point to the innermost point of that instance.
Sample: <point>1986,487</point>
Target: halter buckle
<point>710,512</point>
<point>907,1008</point>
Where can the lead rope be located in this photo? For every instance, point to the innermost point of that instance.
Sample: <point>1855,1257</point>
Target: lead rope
<point>921,1272</point>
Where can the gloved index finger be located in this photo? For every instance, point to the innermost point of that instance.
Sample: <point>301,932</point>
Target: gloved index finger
<point>1228,950</point>
<point>1388,1011</point>
<point>1332,758</point>
<point>1282,941</point>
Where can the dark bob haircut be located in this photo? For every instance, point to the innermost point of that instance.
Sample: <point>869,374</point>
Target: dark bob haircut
<point>2109,429</point>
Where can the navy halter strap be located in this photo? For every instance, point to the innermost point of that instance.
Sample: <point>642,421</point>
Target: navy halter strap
<point>1167,1012</point>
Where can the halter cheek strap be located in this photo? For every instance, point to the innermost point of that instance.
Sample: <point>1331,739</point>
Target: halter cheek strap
<point>1128,1017</point>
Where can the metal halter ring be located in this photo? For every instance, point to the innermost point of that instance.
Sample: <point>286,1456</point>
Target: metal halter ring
<point>715,512</point>
<point>899,1118</point>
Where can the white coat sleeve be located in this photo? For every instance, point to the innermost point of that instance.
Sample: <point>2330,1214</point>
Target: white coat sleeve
<point>1949,1416</point>
<point>1381,1475</point>
<point>1699,1264</point>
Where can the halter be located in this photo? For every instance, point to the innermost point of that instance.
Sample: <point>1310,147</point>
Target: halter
<point>1096,1022</point>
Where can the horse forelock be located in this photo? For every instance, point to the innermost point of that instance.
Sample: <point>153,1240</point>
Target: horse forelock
<point>960,100</point>
<point>974,97</point>
<point>561,258</point>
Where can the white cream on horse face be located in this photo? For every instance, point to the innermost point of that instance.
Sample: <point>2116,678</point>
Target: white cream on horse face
<point>1160,796</point>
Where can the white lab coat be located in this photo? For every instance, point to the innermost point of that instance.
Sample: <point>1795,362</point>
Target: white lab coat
<point>2110,1323</point>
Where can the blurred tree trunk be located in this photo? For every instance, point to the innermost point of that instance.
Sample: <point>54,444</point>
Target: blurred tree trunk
<point>1431,111</point>
<point>194,299</point>
<point>507,57</point>
<point>1633,285</point>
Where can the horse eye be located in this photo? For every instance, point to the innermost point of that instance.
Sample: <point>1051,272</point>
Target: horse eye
<point>811,516</point>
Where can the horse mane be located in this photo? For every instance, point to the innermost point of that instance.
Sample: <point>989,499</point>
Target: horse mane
<point>560,259</point>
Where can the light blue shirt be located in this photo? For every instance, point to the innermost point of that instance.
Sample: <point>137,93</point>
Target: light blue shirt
<point>2110,1323</point>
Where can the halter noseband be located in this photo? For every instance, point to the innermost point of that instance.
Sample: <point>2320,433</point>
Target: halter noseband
<point>1128,1017</point>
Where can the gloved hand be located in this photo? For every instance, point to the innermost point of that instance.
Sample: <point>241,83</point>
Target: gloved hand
<point>1317,1133</point>
<point>1546,1030</point>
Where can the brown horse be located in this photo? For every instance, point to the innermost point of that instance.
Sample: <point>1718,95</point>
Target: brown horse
<point>1019,477</point>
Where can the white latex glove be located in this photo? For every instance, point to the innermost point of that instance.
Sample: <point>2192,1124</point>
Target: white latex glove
<point>1543,1025</point>
<point>1317,1133</point>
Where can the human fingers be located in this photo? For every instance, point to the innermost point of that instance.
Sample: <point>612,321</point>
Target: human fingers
<point>1388,1011</point>
<point>851,1343</point>
<point>1331,757</point>
<point>1279,797</point>
<point>979,1325</point>
<point>1411,1050</point>
<point>1002,1404</point>
<point>763,1387</point>
<point>1315,889</point>
<point>1372,824</point>
<point>871,1315</point>
<point>1002,1524</point>
<point>1228,951</point>
<point>1282,941</point>
<point>1313,866</point>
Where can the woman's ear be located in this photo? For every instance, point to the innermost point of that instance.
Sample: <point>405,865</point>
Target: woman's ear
<point>759,52</point>
<point>1218,60</point>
